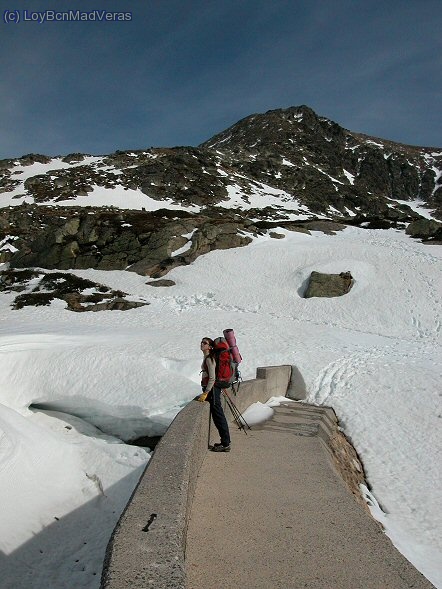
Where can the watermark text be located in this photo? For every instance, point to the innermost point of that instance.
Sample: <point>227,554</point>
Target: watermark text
<point>52,16</point>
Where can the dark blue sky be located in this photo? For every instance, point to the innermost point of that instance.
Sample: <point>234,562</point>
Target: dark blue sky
<point>181,71</point>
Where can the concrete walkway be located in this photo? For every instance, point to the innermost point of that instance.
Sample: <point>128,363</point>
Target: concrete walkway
<point>273,513</point>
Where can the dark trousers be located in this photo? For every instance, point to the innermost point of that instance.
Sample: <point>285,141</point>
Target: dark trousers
<point>217,413</point>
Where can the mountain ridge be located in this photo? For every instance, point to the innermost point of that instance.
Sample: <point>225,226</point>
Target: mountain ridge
<point>286,166</point>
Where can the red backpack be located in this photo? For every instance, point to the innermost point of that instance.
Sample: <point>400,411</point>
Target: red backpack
<point>226,372</point>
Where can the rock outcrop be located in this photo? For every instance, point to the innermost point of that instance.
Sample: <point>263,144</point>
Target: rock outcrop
<point>161,282</point>
<point>39,288</point>
<point>426,229</point>
<point>150,243</point>
<point>328,285</point>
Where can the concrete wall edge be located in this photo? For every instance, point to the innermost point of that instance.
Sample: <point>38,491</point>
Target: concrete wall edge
<point>147,547</point>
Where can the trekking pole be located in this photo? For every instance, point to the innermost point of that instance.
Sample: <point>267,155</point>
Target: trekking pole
<point>241,416</point>
<point>235,408</point>
<point>236,411</point>
<point>208,435</point>
<point>236,417</point>
<point>232,410</point>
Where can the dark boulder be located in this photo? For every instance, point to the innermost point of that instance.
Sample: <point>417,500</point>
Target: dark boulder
<point>161,282</point>
<point>328,285</point>
<point>425,229</point>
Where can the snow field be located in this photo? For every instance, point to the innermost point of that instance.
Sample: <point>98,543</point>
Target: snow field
<point>374,355</point>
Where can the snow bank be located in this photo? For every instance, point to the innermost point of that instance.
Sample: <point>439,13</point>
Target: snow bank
<point>374,355</point>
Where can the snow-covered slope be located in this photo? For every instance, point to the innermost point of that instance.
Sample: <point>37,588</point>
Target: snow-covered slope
<point>375,355</point>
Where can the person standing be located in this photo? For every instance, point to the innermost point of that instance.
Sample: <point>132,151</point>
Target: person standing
<point>212,393</point>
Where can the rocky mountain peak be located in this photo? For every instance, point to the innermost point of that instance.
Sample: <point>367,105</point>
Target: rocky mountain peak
<point>273,128</point>
<point>140,208</point>
<point>326,165</point>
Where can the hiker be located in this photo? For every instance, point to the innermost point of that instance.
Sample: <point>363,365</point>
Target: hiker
<point>212,393</point>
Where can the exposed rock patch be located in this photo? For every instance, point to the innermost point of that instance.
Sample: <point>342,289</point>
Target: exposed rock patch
<point>161,282</point>
<point>80,294</point>
<point>426,229</point>
<point>140,241</point>
<point>328,285</point>
<point>327,227</point>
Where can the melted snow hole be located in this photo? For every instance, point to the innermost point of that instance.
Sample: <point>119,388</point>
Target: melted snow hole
<point>111,425</point>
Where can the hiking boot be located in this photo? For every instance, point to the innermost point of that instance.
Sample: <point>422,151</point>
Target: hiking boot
<point>220,448</point>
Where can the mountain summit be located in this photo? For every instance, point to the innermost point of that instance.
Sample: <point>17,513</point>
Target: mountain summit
<point>326,166</point>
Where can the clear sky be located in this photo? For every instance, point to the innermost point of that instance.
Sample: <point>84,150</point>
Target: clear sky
<point>182,70</point>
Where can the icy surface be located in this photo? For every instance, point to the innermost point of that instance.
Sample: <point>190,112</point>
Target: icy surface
<point>374,354</point>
